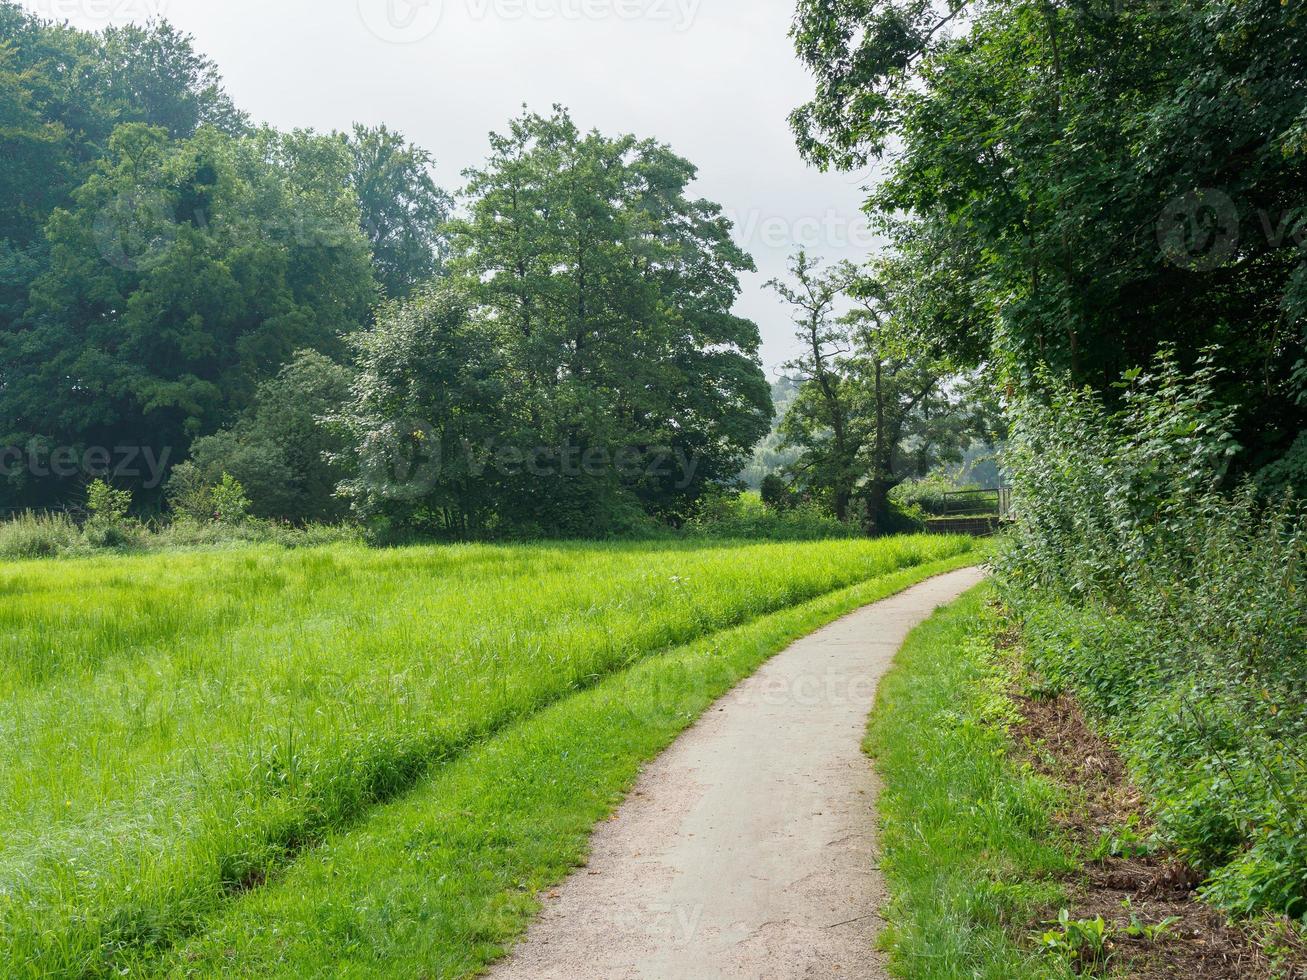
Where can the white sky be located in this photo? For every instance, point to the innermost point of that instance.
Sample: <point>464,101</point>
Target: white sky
<point>715,79</point>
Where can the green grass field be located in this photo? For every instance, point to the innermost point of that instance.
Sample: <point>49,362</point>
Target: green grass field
<point>187,738</point>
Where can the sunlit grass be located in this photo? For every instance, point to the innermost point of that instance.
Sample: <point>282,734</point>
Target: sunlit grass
<point>176,728</point>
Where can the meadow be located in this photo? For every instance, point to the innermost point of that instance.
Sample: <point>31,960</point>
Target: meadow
<point>180,731</point>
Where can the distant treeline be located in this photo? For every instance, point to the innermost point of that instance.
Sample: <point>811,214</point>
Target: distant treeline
<point>303,312</point>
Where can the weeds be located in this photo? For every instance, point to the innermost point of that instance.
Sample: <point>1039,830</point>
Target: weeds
<point>1085,944</point>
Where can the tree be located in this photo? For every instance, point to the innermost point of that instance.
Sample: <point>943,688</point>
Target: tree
<point>425,406</point>
<point>874,405</point>
<point>826,418</point>
<point>183,274</point>
<point>1090,182</point>
<point>613,292</point>
<point>403,212</point>
<point>283,451</point>
<point>62,93</point>
<point>154,75</point>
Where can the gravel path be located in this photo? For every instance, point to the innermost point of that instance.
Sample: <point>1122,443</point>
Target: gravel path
<point>748,848</point>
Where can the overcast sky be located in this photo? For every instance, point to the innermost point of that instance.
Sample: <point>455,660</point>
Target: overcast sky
<point>715,79</point>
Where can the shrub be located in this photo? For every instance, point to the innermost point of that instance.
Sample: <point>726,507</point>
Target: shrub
<point>106,503</point>
<point>230,505</point>
<point>1176,612</point>
<point>903,518</point>
<point>280,449</point>
<point>190,495</point>
<point>37,536</point>
<point>777,494</point>
<point>926,493</point>
<point>745,516</point>
<point>108,525</point>
<point>1287,474</point>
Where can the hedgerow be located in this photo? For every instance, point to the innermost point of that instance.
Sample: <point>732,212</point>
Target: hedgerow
<point>1174,606</point>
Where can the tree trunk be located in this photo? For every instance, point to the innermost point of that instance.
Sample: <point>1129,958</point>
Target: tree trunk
<point>876,495</point>
<point>841,503</point>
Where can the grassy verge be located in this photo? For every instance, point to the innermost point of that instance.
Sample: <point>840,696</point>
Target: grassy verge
<point>174,730</point>
<point>437,883</point>
<point>968,848</point>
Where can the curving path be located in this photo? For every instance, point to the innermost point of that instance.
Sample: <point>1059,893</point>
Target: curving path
<point>748,849</point>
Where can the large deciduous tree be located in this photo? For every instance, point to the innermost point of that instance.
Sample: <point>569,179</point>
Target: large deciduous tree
<point>875,405</point>
<point>613,292</point>
<point>1088,181</point>
<point>182,274</point>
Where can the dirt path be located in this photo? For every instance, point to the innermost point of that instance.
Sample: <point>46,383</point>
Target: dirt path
<point>748,849</point>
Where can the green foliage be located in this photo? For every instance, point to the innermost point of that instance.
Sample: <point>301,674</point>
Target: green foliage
<point>614,315</point>
<point>429,395</point>
<point>182,274</point>
<point>403,212</point>
<point>929,492</point>
<point>1124,841</point>
<point>899,518</point>
<point>576,376</point>
<point>230,505</point>
<point>190,495</point>
<point>103,502</point>
<point>31,535</point>
<point>283,450</point>
<point>772,456</point>
<point>108,525</point>
<point>873,407</point>
<point>1083,943</point>
<point>178,283</point>
<point>66,90</point>
<point>746,516</point>
<point>1082,183</point>
<point>776,494</point>
<point>1149,932</point>
<point>1287,474</point>
<point>1177,613</point>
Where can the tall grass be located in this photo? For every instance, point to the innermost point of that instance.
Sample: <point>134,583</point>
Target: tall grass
<point>175,728</point>
<point>32,535</point>
<point>438,882</point>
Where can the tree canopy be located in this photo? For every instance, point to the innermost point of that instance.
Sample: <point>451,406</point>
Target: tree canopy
<point>300,312</point>
<point>1083,183</point>
<point>592,305</point>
